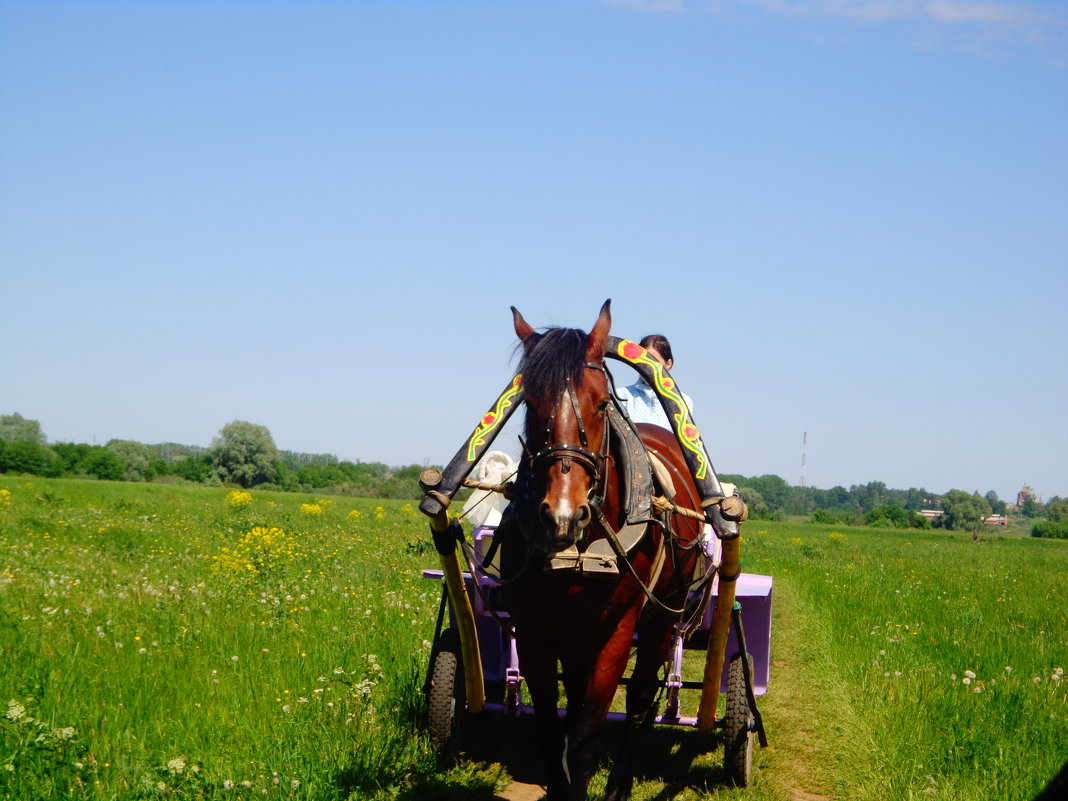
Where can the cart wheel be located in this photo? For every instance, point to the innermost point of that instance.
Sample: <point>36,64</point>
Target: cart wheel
<point>738,726</point>
<point>447,699</point>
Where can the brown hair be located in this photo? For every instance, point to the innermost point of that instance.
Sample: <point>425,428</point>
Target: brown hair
<point>660,343</point>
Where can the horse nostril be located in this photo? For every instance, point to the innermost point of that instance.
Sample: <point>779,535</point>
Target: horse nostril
<point>546,515</point>
<point>582,518</point>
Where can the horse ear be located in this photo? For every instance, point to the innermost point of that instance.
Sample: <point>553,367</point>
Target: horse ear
<point>522,327</point>
<point>598,338</point>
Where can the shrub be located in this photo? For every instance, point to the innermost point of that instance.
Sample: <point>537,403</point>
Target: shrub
<point>1050,530</point>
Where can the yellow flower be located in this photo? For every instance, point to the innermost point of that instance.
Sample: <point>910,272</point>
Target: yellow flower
<point>238,499</point>
<point>312,509</point>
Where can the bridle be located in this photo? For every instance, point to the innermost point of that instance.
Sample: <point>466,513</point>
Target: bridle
<point>566,452</point>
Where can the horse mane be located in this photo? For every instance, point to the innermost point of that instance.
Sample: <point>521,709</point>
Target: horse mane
<point>557,355</point>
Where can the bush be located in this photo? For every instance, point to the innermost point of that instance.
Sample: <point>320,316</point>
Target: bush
<point>825,516</point>
<point>1050,530</point>
<point>29,457</point>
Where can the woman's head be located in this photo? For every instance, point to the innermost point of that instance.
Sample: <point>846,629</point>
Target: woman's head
<point>658,345</point>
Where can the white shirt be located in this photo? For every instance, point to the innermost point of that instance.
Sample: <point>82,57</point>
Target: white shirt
<point>643,405</point>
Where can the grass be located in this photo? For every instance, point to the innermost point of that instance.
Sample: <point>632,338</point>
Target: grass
<point>170,641</point>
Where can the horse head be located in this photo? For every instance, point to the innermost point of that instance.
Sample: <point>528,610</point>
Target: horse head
<point>566,391</point>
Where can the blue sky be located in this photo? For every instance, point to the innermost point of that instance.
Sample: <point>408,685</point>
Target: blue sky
<point>850,217</point>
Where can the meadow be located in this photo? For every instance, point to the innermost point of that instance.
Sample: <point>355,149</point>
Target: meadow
<point>173,641</point>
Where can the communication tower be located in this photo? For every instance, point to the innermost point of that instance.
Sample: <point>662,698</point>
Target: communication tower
<point>804,445</point>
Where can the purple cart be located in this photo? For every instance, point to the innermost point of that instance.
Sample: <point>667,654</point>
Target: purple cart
<point>504,683</point>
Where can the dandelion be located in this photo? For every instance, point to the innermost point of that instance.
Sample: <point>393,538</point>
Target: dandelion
<point>233,658</point>
<point>239,499</point>
<point>966,680</point>
<point>969,674</point>
<point>287,709</point>
<point>295,784</point>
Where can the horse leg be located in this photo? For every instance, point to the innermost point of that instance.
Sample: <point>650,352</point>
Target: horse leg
<point>539,672</point>
<point>653,639</point>
<point>584,736</point>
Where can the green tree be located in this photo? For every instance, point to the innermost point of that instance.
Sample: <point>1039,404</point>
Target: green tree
<point>1057,510</point>
<point>963,510</point>
<point>105,464</point>
<point>1031,507</point>
<point>244,453</point>
<point>997,506</point>
<point>16,428</point>
<point>136,456</point>
<point>192,468</point>
<point>24,456</point>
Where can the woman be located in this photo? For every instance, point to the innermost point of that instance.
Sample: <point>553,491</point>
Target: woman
<point>639,400</point>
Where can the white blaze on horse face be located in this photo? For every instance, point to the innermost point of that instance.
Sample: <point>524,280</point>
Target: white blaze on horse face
<point>567,473</point>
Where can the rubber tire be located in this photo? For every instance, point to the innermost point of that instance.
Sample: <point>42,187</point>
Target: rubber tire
<point>447,697</point>
<point>738,726</point>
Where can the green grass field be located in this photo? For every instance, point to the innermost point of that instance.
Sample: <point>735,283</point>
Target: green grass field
<point>167,641</point>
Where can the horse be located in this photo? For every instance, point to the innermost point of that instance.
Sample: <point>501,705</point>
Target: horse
<point>569,494</point>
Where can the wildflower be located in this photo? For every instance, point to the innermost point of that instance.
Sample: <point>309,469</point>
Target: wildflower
<point>969,674</point>
<point>228,785</point>
<point>295,783</point>
<point>966,680</point>
<point>15,711</point>
<point>287,709</point>
<point>176,765</point>
<point>239,499</point>
<point>312,509</point>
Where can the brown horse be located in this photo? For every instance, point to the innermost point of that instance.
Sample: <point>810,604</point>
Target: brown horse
<point>570,491</point>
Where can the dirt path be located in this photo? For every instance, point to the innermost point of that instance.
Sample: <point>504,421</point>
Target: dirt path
<point>821,749</point>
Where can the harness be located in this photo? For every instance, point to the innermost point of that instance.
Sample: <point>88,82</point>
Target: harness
<point>612,554</point>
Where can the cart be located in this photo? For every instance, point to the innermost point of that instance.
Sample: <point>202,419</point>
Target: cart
<point>745,674</point>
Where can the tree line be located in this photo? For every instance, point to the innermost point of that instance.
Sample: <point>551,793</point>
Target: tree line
<point>242,454</point>
<point>875,504</point>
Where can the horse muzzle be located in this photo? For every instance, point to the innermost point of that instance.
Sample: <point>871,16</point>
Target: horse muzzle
<point>564,525</point>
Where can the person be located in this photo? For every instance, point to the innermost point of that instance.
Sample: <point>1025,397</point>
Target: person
<point>639,400</point>
<point>642,405</point>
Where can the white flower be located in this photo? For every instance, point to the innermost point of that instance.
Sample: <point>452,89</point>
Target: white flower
<point>966,681</point>
<point>969,674</point>
<point>295,783</point>
<point>176,765</point>
<point>233,658</point>
<point>228,785</point>
<point>15,711</point>
<point>287,709</point>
